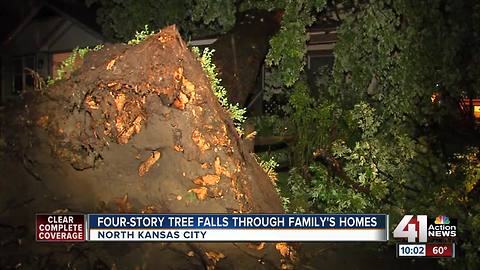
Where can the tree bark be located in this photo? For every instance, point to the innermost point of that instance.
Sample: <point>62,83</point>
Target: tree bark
<point>241,52</point>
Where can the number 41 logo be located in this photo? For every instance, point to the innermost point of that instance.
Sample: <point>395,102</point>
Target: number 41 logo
<point>412,227</point>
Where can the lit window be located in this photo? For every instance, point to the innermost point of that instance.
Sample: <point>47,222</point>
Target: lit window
<point>476,111</point>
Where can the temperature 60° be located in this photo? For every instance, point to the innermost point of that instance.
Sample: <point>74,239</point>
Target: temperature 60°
<point>439,250</point>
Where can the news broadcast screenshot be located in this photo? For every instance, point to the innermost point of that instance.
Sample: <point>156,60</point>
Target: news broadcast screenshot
<point>239,134</point>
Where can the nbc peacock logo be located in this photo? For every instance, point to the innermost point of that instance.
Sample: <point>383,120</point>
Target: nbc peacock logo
<point>442,220</point>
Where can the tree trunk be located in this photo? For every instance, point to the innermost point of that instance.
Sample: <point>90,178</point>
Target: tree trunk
<point>241,52</point>
<point>134,129</point>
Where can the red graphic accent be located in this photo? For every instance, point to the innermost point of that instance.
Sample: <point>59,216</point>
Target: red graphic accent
<point>439,250</point>
<point>413,220</point>
<point>60,227</point>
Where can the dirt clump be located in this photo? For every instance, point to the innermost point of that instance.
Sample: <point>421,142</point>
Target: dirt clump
<point>133,129</point>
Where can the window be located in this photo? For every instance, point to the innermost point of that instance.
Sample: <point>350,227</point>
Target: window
<point>469,106</point>
<point>30,64</point>
<point>319,64</point>
<point>22,79</point>
<point>316,62</point>
<point>476,112</point>
<point>17,75</point>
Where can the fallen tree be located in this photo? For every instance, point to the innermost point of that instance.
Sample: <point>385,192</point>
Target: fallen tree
<point>240,53</point>
<point>134,129</point>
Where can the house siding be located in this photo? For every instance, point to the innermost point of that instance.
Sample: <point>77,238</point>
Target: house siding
<point>74,37</point>
<point>42,39</point>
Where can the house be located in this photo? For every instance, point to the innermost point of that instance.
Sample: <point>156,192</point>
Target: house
<point>470,107</point>
<point>40,43</point>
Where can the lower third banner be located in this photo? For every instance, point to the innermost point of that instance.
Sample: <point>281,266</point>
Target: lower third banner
<point>237,227</point>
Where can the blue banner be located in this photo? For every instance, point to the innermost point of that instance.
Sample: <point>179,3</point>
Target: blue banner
<point>237,221</point>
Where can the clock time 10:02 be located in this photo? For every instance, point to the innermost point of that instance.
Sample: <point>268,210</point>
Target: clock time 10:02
<point>411,250</point>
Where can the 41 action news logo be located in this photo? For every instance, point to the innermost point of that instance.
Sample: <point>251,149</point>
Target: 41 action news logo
<point>421,228</point>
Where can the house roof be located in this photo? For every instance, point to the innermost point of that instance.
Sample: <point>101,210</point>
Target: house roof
<point>74,11</point>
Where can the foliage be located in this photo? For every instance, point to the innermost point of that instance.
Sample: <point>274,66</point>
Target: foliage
<point>461,196</point>
<point>312,121</point>
<point>268,165</point>
<point>288,46</point>
<point>217,15</point>
<point>68,65</point>
<point>469,164</point>
<point>289,58</point>
<point>267,125</point>
<point>120,19</point>
<point>236,113</point>
<point>322,193</point>
<point>98,47</point>
<point>370,161</point>
<point>389,58</point>
<point>140,36</point>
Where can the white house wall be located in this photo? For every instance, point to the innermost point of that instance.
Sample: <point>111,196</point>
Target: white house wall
<point>74,36</point>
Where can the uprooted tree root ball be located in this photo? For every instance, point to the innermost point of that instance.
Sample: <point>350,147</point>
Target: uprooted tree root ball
<point>134,129</point>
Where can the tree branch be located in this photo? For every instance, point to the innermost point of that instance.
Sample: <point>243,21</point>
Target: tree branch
<point>336,168</point>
